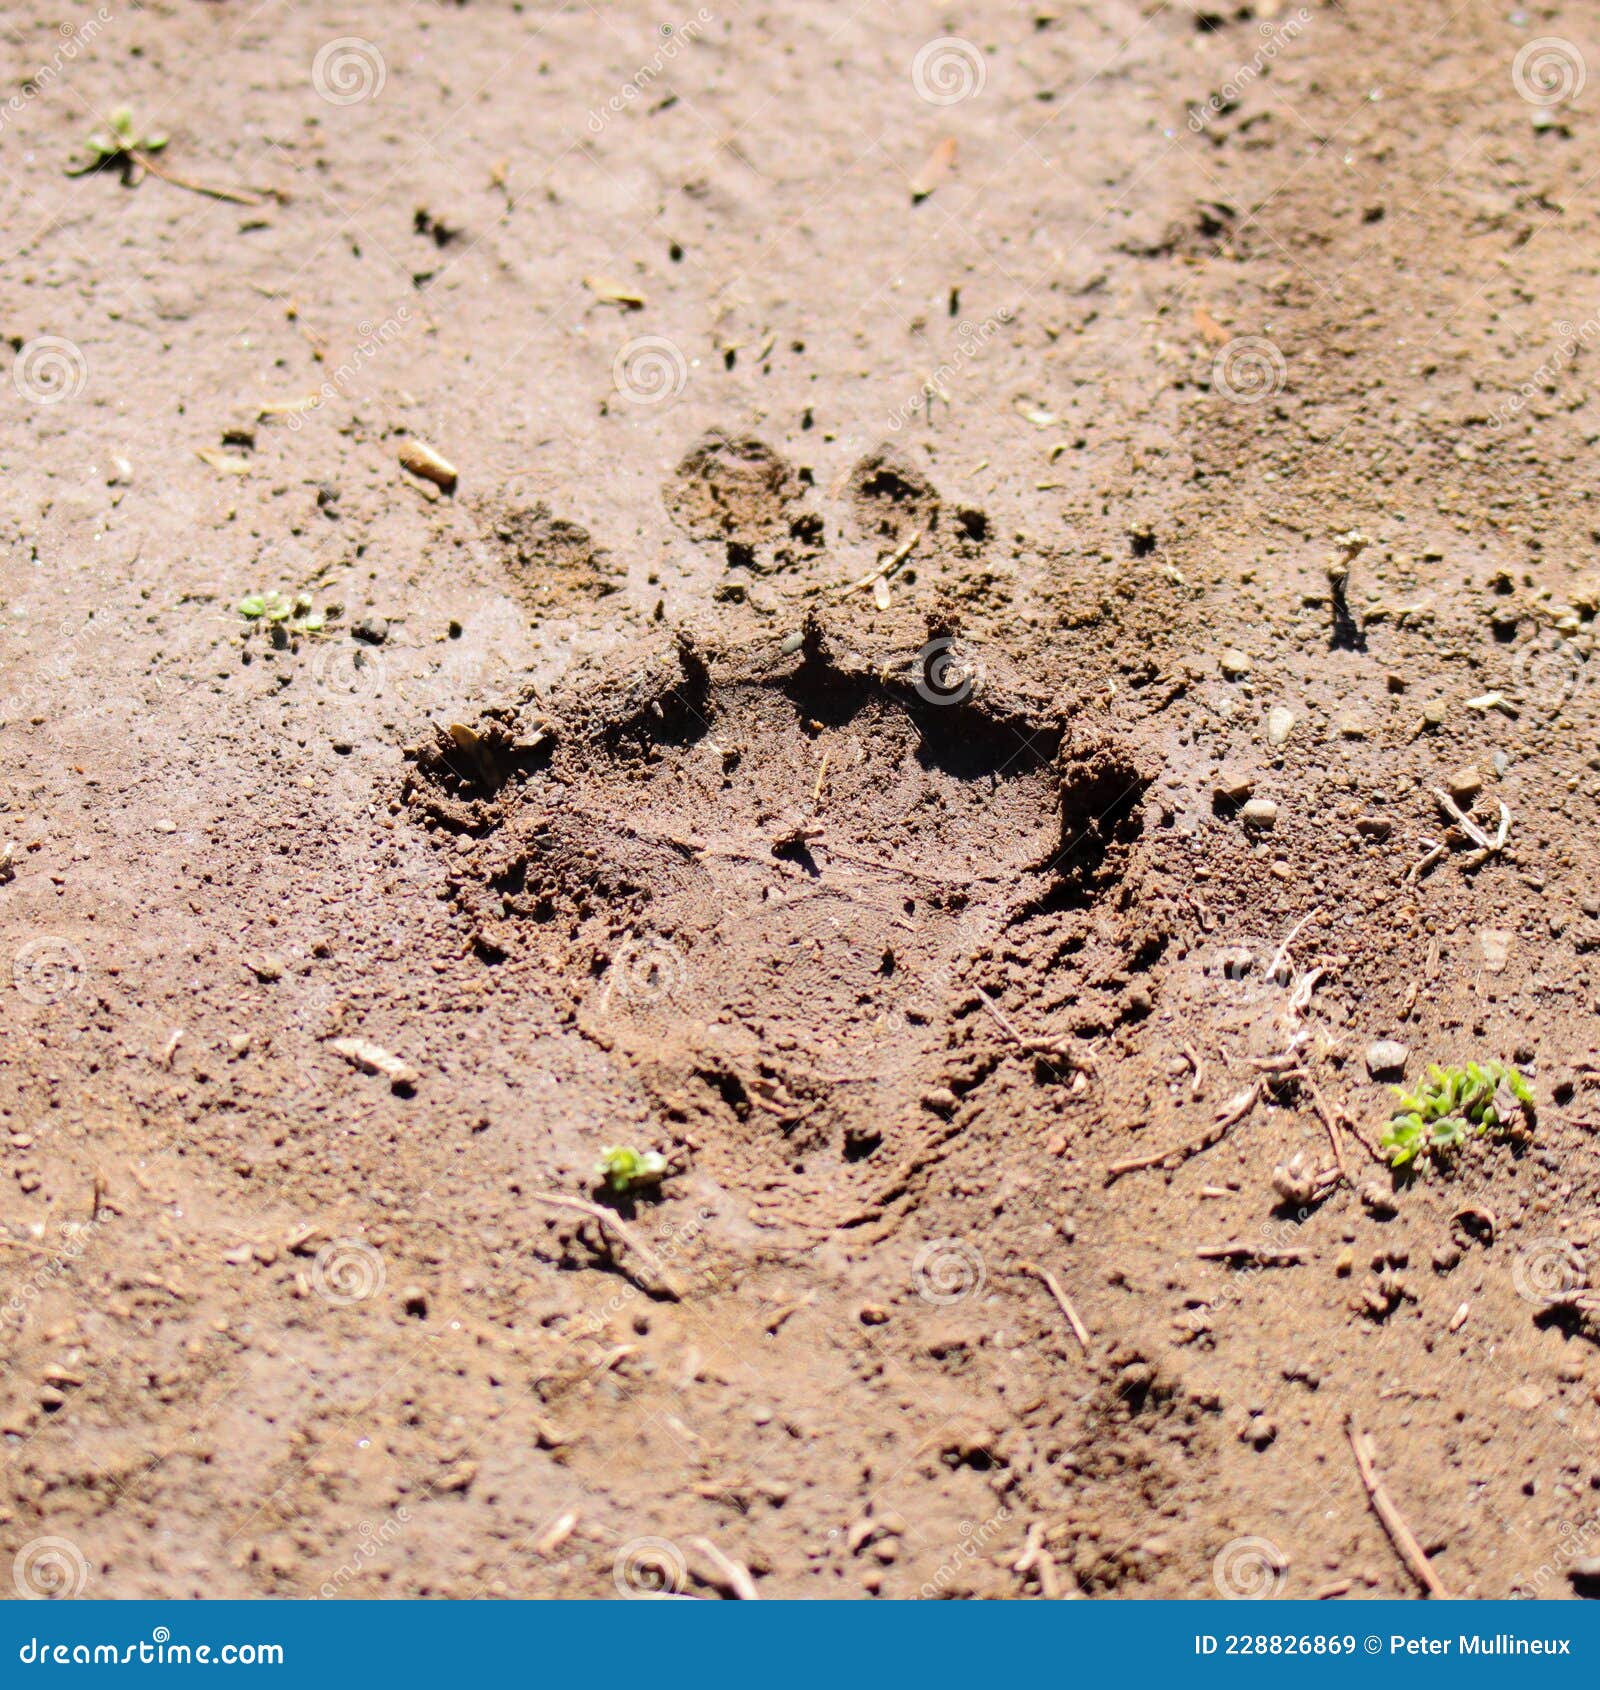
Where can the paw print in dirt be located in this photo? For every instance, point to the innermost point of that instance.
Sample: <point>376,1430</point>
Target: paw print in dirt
<point>766,877</point>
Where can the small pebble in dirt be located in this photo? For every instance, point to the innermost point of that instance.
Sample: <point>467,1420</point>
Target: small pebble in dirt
<point>373,629</point>
<point>343,746</point>
<point>1260,812</point>
<point>873,1314</point>
<point>414,1300</point>
<point>1235,664</point>
<point>1465,783</point>
<point>1233,787</point>
<point>267,967</point>
<point>1386,1056</point>
<point>1280,724</point>
<point>1494,945</point>
<point>1378,1199</point>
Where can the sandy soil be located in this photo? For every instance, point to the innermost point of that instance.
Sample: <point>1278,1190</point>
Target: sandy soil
<point>973,539</point>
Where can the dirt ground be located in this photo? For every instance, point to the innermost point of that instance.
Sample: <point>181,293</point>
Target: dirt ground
<point>975,535</point>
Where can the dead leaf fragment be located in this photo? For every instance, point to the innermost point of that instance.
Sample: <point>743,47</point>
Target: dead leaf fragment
<point>614,293</point>
<point>1210,329</point>
<point>374,1059</point>
<point>935,167</point>
<point>229,463</point>
<point>421,459</point>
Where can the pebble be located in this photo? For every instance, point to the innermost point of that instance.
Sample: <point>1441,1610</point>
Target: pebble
<point>1433,713</point>
<point>1494,945</point>
<point>1465,784</point>
<point>1260,812</point>
<point>1386,1056</point>
<point>1378,1198</point>
<point>1233,788</point>
<point>1235,664</point>
<point>267,967</point>
<point>373,629</point>
<point>1280,724</point>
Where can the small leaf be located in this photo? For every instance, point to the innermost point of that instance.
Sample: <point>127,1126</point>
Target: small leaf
<point>253,606</point>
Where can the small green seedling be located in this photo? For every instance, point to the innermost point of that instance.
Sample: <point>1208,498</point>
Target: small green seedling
<point>1453,1104</point>
<point>621,1167</point>
<point>295,613</point>
<point>119,147</point>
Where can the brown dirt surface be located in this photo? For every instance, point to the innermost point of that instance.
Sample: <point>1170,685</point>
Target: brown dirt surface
<point>965,555</point>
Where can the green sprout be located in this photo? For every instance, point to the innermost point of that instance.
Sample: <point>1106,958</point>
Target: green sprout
<point>621,1167</point>
<point>295,612</point>
<point>122,148</point>
<point>1453,1104</point>
<point>119,147</point>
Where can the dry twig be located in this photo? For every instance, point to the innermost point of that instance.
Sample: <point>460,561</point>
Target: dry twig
<point>1400,1534</point>
<point>1063,1301</point>
<point>614,1224</point>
